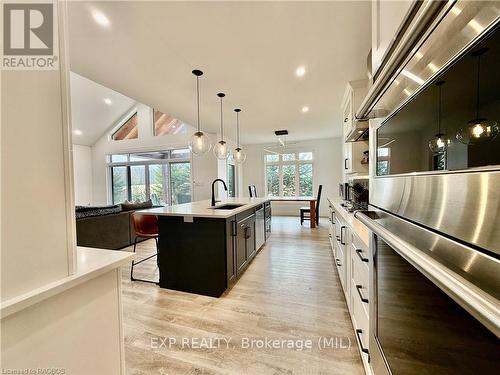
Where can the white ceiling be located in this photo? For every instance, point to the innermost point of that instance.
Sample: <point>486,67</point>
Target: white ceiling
<point>249,50</point>
<point>89,113</point>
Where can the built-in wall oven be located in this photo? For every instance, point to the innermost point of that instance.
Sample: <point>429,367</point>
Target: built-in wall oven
<point>434,211</point>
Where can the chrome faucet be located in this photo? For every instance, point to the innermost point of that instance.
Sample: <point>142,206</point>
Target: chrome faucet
<point>213,192</point>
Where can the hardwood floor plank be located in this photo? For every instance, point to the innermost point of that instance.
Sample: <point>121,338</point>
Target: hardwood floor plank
<point>289,292</point>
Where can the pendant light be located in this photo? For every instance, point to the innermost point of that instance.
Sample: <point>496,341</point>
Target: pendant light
<point>480,129</point>
<point>440,142</point>
<point>221,149</point>
<point>199,144</point>
<point>239,155</point>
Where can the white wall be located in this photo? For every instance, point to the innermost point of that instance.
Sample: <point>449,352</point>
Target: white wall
<point>204,168</point>
<point>326,171</point>
<point>36,248</point>
<point>82,171</point>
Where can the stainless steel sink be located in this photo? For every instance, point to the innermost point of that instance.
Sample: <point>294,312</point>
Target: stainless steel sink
<point>229,206</point>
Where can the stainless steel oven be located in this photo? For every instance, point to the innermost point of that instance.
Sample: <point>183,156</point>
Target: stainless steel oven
<point>435,205</point>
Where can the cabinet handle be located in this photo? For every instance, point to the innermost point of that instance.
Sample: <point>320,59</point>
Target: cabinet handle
<point>363,299</point>
<point>338,238</point>
<point>329,235</point>
<point>338,262</point>
<point>363,349</point>
<point>341,236</point>
<point>345,120</point>
<point>233,228</point>
<point>360,252</point>
<point>345,163</point>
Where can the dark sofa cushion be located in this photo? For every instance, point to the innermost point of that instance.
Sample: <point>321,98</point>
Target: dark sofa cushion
<point>90,211</point>
<point>127,206</point>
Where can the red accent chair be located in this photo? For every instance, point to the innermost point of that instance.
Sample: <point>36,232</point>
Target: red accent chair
<point>145,226</point>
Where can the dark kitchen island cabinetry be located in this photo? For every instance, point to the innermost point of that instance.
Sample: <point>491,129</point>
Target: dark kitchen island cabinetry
<point>204,250</point>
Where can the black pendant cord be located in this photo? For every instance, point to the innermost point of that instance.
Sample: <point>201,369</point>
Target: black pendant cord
<point>221,122</point>
<point>477,85</point>
<point>221,95</point>
<point>237,110</point>
<point>198,100</point>
<point>439,84</point>
<point>439,112</point>
<point>198,73</point>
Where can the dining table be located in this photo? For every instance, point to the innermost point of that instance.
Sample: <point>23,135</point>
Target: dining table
<point>312,205</point>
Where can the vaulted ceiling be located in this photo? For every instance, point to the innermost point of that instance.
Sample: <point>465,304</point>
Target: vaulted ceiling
<point>249,50</point>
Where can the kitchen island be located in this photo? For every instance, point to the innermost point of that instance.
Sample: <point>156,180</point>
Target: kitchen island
<point>204,249</point>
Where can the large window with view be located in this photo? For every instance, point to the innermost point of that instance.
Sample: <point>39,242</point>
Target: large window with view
<point>289,174</point>
<point>162,176</point>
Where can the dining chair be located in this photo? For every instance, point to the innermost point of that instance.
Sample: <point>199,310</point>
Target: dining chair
<point>252,191</point>
<point>305,212</point>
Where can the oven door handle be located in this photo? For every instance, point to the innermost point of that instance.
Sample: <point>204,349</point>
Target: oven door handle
<point>363,299</point>
<point>358,335</point>
<point>468,295</point>
<point>360,252</point>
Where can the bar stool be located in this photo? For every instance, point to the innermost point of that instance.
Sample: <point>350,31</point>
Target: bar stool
<point>145,226</point>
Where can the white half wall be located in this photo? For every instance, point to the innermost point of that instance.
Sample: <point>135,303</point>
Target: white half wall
<point>82,172</point>
<point>326,171</point>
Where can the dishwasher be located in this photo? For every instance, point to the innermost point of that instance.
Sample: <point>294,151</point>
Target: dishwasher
<point>259,227</point>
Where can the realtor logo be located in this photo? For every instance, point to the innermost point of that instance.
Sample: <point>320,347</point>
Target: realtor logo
<point>28,36</point>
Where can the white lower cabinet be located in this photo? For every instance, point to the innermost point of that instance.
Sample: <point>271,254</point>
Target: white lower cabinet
<point>352,259</point>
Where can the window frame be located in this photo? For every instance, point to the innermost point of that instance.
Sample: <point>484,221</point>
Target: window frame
<point>146,163</point>
<point>281,163</point>
<point>134,111</point>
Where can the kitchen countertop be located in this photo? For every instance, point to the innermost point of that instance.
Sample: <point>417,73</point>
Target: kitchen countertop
<point>203,209</point>
<point>357,226</point>
<point>90,263</point>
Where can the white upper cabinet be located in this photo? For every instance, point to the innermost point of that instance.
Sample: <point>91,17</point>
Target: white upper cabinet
<point>387,17</point>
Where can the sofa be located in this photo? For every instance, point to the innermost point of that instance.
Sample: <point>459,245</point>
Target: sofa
<point>107,227</point>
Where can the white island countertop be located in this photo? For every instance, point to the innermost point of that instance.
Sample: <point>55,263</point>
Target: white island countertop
<point>203,209</point>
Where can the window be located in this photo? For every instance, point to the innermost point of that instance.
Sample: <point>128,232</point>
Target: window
<point>128,130</point>
<point>162,176</point>
<point>289,174</point>
<point>383,157</point>
<point>166,124</point>
<point>231,180</point>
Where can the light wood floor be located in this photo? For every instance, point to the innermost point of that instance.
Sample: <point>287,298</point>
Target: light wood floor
<point>289,292</point>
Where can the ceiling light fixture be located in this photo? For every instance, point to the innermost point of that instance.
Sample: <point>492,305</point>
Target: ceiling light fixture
<point>199,144</point>
<point>412,76</point>
<point>305,109</point>
<point>478,130</point>
<point>77,132</point>
<point>239,155</point>
<point>440,142</point>
<point>300,71</point>
<point>101,19</point>
<point>108,101</point>
<point>221,149</point>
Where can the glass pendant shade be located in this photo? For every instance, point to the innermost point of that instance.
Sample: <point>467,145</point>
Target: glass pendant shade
<point>199,144</point>
<point>221,150</point>
<point>239,156</point>
<point>440,143</point>
<point>478,131</point>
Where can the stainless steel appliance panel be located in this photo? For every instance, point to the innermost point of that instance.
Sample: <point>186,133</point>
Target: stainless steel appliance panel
<point>435,303</point>
<point>462,205</point>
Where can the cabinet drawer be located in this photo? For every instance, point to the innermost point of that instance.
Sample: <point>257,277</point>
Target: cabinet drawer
<point>360,271</point>
<point>361,322</point>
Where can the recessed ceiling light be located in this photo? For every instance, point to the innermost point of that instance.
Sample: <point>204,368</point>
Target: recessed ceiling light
<point>108,101</point>
<point>77,132</point>
<point>100,18</point>
<point>305,109</point>
<point>300,71</point>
